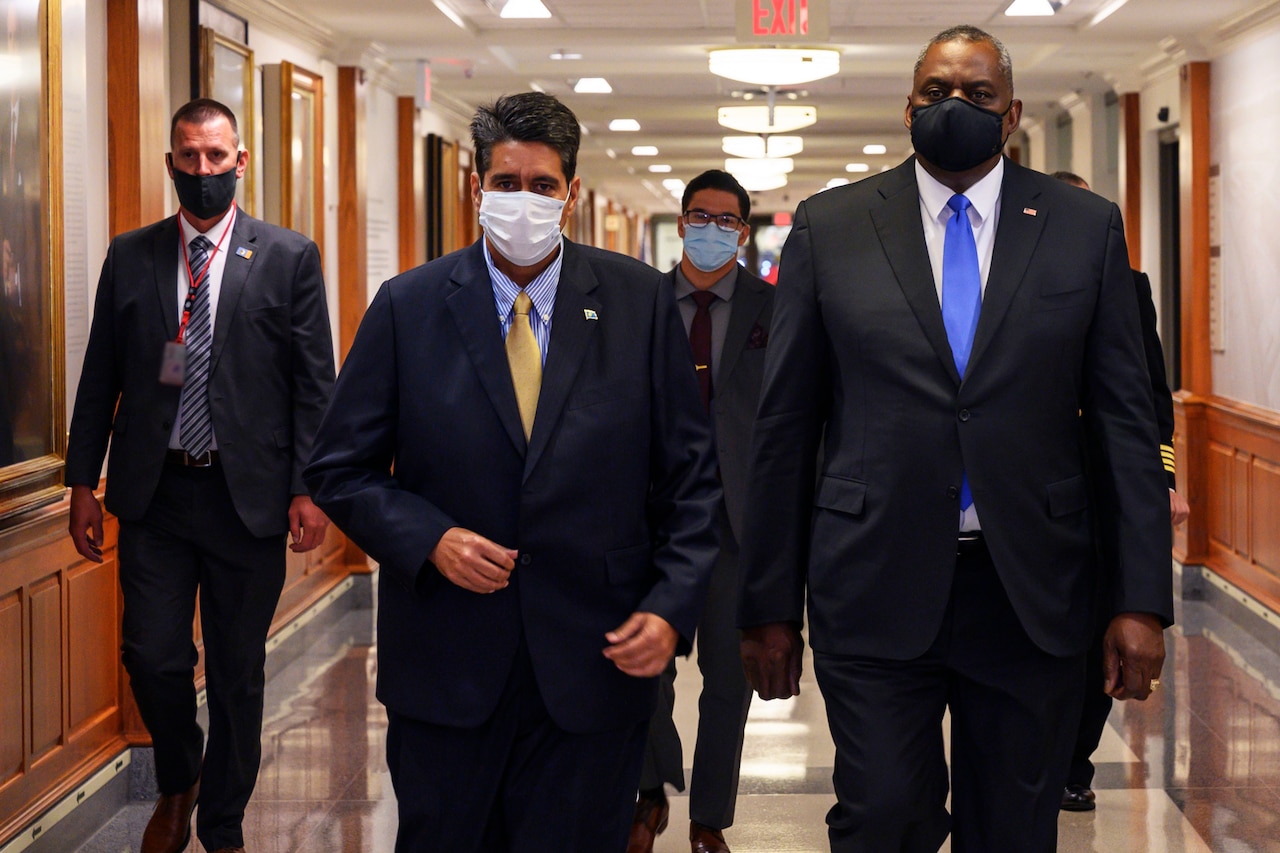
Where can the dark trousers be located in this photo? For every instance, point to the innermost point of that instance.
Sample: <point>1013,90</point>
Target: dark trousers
<point>722,704</point>
<point>517,783</point>
<point>1093,718</point>
<point>191,540</point>
<point>1012,706</point>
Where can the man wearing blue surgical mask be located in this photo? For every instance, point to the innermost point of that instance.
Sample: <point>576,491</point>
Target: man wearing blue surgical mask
<point>726,312</point>
<point>516,437</point>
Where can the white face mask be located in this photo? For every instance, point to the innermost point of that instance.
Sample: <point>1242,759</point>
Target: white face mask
<point>523,227</point>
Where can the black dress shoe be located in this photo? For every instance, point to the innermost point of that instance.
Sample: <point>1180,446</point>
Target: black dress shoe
<point>647,824</point>
<point>1078,798</point>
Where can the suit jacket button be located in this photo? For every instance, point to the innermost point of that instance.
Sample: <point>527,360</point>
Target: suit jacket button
<point>964,415</point>
<point>953,492</point>
<point>525,559</point>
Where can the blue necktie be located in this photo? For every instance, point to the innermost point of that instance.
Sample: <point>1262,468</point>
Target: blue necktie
<point>961,295</point>
<point>196,433</point>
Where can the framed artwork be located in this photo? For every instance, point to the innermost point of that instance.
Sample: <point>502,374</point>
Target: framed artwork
<point>226,75</point>
<point>32,379</point>
<point>293,136</point>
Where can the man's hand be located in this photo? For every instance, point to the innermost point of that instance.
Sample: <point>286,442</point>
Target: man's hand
<point>472,562</point>
<point>86,523</point>
<point>307,524</point>
<point>643,645</point>
<point>772,658</point>
<point>1132,655</point>
<point>1179,509</point>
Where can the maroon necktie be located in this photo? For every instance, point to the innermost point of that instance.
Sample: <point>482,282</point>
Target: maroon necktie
<point>700,342</point>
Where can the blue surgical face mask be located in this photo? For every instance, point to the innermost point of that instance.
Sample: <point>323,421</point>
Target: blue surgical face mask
<point>708,248</point>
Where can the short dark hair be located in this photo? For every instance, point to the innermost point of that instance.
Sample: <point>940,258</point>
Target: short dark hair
<point>716,179</point>
<point>1071,178</point>
<point>200,111</point>
<point>526,117</point>
<point>966,32</point>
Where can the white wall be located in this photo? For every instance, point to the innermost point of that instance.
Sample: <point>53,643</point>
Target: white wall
<point>382,156</point>
<point>1244,128</point>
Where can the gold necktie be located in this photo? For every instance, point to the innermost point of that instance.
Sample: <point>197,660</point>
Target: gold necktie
<point>526,362</point>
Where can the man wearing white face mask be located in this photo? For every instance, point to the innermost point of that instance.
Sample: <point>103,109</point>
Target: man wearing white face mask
<point>726,312</point>
<point>516,437</point>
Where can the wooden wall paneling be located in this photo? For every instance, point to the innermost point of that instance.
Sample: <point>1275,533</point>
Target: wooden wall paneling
<point>353,276</point>
<point>408,184</point>
<point>44,618</point>
<point>1191,448</point>
<point>1193,176</point>
<point>92,617</point>
<point>1241,462</point>
<point>1131,174</point>
<point>13,649</point>
<point>1264,539</point>
<point>137,113</point>
<point>1220,523</point>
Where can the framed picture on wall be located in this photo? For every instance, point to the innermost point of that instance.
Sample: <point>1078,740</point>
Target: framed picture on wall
<point>226,75</point>
<point>293,143</point>
<point>32,392</point>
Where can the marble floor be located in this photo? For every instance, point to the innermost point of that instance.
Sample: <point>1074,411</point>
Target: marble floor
<point>1195,769</point>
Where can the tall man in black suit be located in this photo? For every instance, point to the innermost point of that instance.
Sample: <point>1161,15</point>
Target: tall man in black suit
<point>206,475</point>
<point>1078,796</point>
<point>544,517</point>
<point>726,312</point>
<point>948,548</point>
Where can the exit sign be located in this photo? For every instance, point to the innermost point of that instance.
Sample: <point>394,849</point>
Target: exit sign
<point>782,21</point>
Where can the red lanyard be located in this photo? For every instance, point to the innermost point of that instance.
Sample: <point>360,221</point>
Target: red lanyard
<point>186,263</point>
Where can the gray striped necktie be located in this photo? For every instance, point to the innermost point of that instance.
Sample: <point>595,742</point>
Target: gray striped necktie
<point>196,433</point>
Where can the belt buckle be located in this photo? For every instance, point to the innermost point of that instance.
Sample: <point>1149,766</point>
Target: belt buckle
<point>204,460</point>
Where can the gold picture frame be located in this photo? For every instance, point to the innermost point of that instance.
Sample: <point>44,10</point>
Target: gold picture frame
<point>293,136</point>
<point>226,75</point>
<point>33,436</point>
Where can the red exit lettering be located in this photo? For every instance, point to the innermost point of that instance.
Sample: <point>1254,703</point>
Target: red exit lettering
<point>779,17</point>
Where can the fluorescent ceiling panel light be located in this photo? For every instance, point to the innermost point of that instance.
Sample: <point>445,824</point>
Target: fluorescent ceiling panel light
<point>762,166</point>
<point>1029,8</point>
<point>762,146</point>
<point>525,9</point>
<point>1106,12</point>
<point>624,124</point>
<point>660,168</point>
<point>592,86</point>
<point>774,66</point>
<point>874,148</point>
<point>857,167</point>
<point>756,119</point>
<point>762,183</point>
<point>674,185</point>
<point>564,54</point>
<point>644,151</point>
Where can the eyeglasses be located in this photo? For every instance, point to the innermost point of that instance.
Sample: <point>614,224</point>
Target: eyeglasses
<point>723,221</point>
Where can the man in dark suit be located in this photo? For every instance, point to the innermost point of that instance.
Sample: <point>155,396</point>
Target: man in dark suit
<point>948,548</point>
<point>726,312</point>
<point>208,367</point>
<point>543,517</point>
<point>1078,796</point>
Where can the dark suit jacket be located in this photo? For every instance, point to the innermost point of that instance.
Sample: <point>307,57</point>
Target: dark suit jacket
<point>270,375</point>
<point>611,506</point>
<point>737,385</point>
<point>1160,393</point>
<point>859,355</point>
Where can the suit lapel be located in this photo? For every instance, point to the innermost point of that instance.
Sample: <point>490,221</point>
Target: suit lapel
<point>1022,219</point>
<point>471,304</point>
<point>897,222</point>
<point>744,311</point>
<point>235,274</point>
<point>165,258</point>
<point>571,330</point>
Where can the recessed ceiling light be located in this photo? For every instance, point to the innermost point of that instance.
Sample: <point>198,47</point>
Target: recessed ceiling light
<point>674,185</point>
<point>874,148</point>
<point>837,182</point>
<point>624,124</point>
<point>644,151</point>
<point>564,54</point>
<point>524,9</point>
<point>592,86</point>
<point>660,168</point>
<point>857,167</point>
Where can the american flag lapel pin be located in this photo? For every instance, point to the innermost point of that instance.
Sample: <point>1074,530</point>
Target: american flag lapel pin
<point>1029,211</point>
<point>588,314</point>
<point>242,252</point>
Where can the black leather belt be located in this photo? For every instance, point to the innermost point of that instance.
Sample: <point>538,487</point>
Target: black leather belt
<point>970,541</point>
<point>181,457</point>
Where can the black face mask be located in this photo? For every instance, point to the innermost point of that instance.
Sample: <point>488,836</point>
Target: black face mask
<point>956,135</point>
<point>205,196</point>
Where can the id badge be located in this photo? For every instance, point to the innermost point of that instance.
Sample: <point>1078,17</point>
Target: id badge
<point>173,364</point>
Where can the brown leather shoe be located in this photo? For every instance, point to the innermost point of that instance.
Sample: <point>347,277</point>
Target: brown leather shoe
<point>169,829</point>
<point>647,824</point>
<point>704,839</point>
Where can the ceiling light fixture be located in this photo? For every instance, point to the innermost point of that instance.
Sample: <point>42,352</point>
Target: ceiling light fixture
<point>592,86</point>
<point>660,168</point>
<point>874,148</point>
<point>1033,8</point>
<point>774,66</point>
<point>762,166</point>
<point>764,119</point>
<point>624,124</point>
<point>762,146</point>
<point>857,167</point>
<point>564,54</point>
<point>1106,12</point>
<point>762,183</point>
<point>524,9</point>
<point>644,151</point>
<point>837,182</point>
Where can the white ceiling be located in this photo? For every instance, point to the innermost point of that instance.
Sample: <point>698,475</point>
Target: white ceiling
<point>654,54</point>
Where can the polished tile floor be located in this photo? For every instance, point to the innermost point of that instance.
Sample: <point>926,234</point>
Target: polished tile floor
<point>1195,769</point>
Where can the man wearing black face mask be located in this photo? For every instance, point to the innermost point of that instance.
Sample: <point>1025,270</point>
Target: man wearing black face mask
<point>208,367</point>
<point>951,330</point>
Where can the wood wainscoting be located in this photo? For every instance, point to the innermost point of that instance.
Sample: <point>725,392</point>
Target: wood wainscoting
<point>65,707</point>
<point>1229,468</point>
